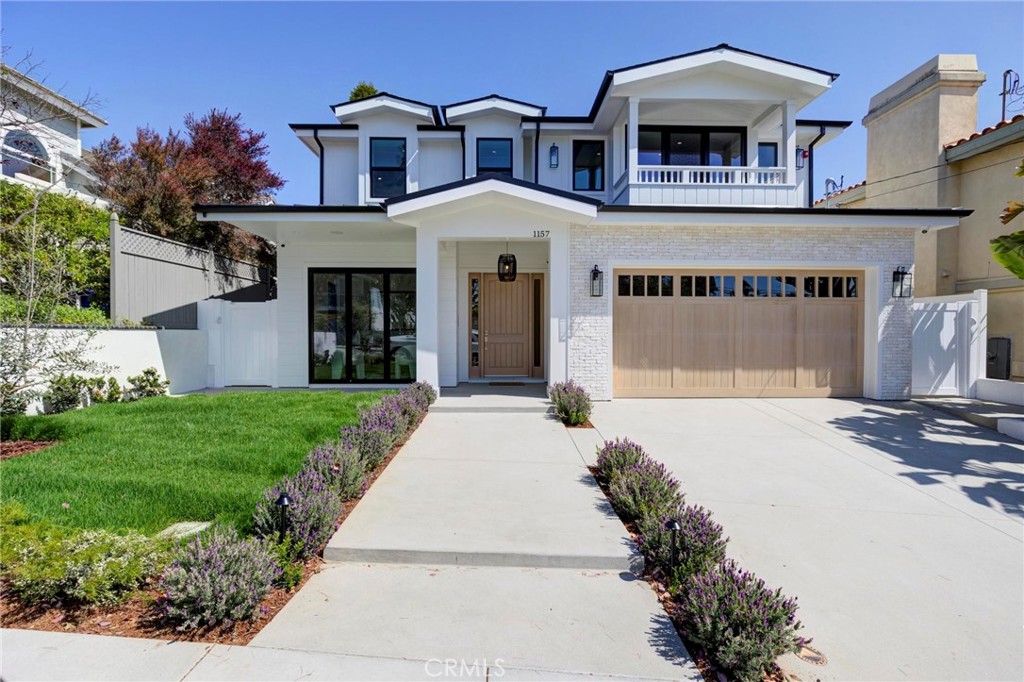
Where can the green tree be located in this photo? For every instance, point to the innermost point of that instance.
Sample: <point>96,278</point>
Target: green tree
<point>1008,250</point>
<point>362,90</point>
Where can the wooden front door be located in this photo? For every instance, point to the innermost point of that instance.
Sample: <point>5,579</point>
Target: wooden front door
<point>505,326</point>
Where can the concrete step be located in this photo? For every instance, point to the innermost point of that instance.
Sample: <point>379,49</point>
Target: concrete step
<point>997,416</point>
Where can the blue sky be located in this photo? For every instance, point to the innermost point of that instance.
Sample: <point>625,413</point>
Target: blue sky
<point>278,63</point>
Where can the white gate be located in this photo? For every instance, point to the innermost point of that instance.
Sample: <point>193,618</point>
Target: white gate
<point>242,342</point>
<point>950,335</point>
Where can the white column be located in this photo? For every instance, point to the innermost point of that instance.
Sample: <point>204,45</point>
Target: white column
<point>634,138</point>
<point>426,307</point>
<point>789,140</point>
<point>559,285</point>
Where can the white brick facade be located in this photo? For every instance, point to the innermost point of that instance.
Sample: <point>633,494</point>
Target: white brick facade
<point>878,249</point>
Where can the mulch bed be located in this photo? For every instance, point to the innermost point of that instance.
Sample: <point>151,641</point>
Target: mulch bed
<point>584,425</point>
<point>9,449</point>
<point>140,616</point>
<point>655,579</point>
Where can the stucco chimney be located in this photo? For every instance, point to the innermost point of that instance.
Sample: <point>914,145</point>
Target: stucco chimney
<point>909,122</point>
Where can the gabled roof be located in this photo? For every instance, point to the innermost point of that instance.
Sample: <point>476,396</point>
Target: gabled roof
<point>485,177</point>
<point>386,100</point>
<point>14,78</point>
<point>492,102</point>
<point>609,77</point>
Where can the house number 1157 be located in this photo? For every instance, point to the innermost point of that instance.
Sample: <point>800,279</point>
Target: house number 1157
<point>542,233</point>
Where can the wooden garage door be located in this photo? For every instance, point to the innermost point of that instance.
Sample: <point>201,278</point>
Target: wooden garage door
<point>732,333</point>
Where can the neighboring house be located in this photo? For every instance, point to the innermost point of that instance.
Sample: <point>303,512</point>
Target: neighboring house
<point>923,151</point>
<point>41,129</point>
<point>665,243</point>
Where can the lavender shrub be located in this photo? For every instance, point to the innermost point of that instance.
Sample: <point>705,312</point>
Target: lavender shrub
<point>618,454</point>
<point>312,515</point>
<point>644,490</point>
<point>341,466</point>
<point>741,623</point>
<point>216,578</point>
<point>572,402</point>
<point>700,541</point>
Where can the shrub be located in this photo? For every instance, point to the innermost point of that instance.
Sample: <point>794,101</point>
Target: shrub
<point>65,393</point>
<point>572,402</point>
<point>289,563</point>
<point>44,563</point>
<point>146,385</point>
<point>645,490</point>
<point>341,466</point>
<point>14,402</point>
<point>414,404</point>
<point>380,426</point>
<point>424,389</point>
<point>312,515</point>
<point>741,623</point>
<point>701,546</point>
<point>104,390</point>
<point>617,455</point>
<point>218,577</point>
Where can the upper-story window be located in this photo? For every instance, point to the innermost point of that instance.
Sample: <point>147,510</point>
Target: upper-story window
<point>387,167</point>
<point>767,154</point>
<point>494,155</point>
<point>691,146</point>
<point>588,165</point>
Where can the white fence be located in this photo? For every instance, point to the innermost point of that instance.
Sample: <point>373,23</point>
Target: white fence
<point>242,347</point>
<point>949,344</point>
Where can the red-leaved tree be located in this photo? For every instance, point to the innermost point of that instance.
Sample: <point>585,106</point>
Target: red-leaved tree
<point>154,181</point>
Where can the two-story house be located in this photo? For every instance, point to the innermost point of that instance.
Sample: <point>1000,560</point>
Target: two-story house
<point>662,244</point>
<point>42,137</point>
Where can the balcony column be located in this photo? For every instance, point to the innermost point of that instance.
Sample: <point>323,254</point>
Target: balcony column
<point>789,140</point>
<point>634,139</point>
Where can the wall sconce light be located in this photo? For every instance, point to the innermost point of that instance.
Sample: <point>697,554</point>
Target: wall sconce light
<point>801,155</point>
<point>507,266</point>
<point>596,282</point>
<point>553,156</point>
<point>901,283</point>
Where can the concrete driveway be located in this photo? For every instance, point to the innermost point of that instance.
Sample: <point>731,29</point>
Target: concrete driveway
<point>899,529</point>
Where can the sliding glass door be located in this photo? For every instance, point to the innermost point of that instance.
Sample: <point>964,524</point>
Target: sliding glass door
<point>362,325</point>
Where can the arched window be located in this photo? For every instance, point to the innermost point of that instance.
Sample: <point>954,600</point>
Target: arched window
<point>23,153</point>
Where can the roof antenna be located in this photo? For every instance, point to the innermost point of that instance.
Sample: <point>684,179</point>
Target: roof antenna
<point>832,188</point>
<point>1012,89</point>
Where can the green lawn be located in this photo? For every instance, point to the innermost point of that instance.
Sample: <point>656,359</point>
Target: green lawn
<point>148,464</point>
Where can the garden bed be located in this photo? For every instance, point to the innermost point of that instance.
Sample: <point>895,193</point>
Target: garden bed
<point>9,449</point>
<point>140,616</point>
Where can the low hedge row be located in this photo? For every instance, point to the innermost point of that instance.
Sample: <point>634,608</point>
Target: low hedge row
<point>741,623</point>
<point>218,576</point>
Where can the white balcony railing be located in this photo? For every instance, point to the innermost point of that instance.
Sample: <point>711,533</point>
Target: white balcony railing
<point>711,175</point>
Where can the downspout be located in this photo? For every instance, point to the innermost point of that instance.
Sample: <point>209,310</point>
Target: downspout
<point>462,139</point>
<point>536,155</point>
<point>810,166</point>
<point>316,138</point>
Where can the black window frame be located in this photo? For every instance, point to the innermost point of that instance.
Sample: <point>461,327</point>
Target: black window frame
<point>705,135</point>
<point>775,146</point>
<point>604,170</point>
<point>386,298</point>
<point>495,169</point>
<point>404,167</point>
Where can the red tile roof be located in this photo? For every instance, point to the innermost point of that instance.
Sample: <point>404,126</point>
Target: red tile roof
<point>843,191</point>
<point>986,131</point>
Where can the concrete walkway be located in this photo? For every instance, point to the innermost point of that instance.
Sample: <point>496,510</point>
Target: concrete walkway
<point>898,528</point>
<point>486,539</point>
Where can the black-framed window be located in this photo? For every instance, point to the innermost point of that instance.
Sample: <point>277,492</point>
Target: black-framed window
<point>387,167</point>
<point>767,154</point>
<point>588,165</point>
<point>362,325</point>
<point>494,155</point>
<point>692,146</point>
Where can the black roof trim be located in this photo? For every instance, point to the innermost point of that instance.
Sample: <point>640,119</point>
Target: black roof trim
<point>435,112</point>
<point>284,208</point>
<point>428,126</point>
<point>494,176</point>
<point>557,119</point>
<point>823,122</point>
<point>324,126</point>
<point>493,95</point>
<point>795,210</point>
